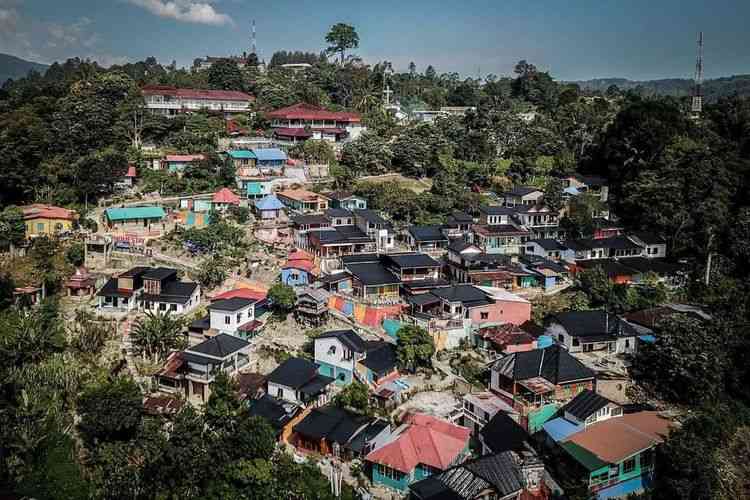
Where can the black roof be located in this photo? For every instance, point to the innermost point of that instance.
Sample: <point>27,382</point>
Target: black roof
<point>220,346</point>
<point>341,195</point>
<point>301,220</point>
<point>496,210</point>
<point>110,290</point>
<point>233,304</point>
<point>203,323</point>
<point>468,295</point>
<point>347,337</point>
<point>316,385</point>
<point>341,234</point>
<point>373,274</point>
<point>381,357</point>
<point>553,363</point>
<point>459,246</point>
<point>360,440</point>
<point>428,233</point>
<point>338,212</point>
<point>646,265</point>
<point>502,433</point>
<point>617,243</point>
<point>331,423</point>
<point>586,403</point>
<point>466,481</point>
<point>134,272</point>
<point>591,180</point>
<point>359,258</point>
<point>371,216</point>
<point>294,373</point>
<point>611,267</point>
<point>177,292</point>
<point>649,238</point>
<point>593,323</point>
<point>461,217</point>
<point>274,411</point>
<point>425,284</point>
<point>522,190</point>
<point>549,244</point>
<point>423,299</point>
<point>159,273</point>
<point>410,260</point>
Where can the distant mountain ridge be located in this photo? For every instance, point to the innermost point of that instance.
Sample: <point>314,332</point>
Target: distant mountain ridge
<point>678,87</point>
<point>15,67</point>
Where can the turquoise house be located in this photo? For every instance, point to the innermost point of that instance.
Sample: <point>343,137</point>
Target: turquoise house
<point>421,447</point>
<point>256,188</point>
<point>270,158</point>
<point>134,216</point>
<point>616,456</point>
<point>242,158</point>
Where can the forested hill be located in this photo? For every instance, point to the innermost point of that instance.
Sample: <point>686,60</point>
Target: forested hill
<point>713,89</point>
<point>15,67</point>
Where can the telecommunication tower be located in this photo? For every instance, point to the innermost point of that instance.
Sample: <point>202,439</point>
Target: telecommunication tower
<point>697,105</point>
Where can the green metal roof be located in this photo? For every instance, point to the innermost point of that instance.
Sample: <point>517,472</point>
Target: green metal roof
<point>583,456</point>
<point>242,154</point>
<point>132,213</point>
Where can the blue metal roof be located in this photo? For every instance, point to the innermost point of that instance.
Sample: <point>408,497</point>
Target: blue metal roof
<point>241,154</point>
<point>270,154</point>
<point>648,338</point>
<point>559,428</point>
<point>270,202</point>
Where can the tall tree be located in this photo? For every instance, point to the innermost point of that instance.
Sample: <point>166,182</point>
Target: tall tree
<point>156,334</point>
<point>341,37</point>
<point>224,74</point>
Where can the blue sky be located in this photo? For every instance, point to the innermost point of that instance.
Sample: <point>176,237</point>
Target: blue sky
<point>574,39</point>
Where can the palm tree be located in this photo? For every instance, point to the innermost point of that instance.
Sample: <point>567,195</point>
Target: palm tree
<point>155,335</point>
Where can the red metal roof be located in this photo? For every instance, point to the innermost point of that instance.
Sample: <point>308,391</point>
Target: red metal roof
<point>215,95</point>
<point>131,171</point>
<point>303,111</point>
<point>41,211</point>
<point>427,440</point>
<point>299,259</point>
<point>250,326</point>
<point>292,132</point>
<point>225,195</point>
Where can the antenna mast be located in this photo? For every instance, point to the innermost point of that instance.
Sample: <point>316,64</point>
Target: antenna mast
<point>697,105</point>
<point>254,49</point>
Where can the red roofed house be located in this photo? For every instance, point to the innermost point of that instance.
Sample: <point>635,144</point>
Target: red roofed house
<point>128,180</point>
<point>224,198</point>
<point>420,447</point>
<point>81,283</point>
<point>47,219</point>
<point>170,101</point>
<point>302,121</point>
<point>298,269</point>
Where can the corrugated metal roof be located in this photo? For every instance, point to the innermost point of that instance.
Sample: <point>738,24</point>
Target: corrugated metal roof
<point>133,213</point>
<point>242,154</point>
<point>270,154</point>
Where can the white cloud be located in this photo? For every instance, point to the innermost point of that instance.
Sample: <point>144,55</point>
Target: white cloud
<point>44,42</point>
<point>191,11</point>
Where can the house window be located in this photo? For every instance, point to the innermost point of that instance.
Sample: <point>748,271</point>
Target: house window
<point>227,320</point>
<point>332,350</point>
<point>484,315</point>
<point>576,342</point>
<point>561,337</point>
<point>173,307</point>
<point>280,393</point>
<point>239,317</point>
<point>628,466</point>
<point>162,307</point>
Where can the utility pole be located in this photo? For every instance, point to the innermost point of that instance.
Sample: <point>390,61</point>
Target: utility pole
<point>697,104</point>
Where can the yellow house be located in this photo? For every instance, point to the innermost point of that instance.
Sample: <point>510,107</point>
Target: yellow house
<point>47,220</point>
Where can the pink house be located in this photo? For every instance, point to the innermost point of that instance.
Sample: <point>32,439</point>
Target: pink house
<point>506,307</point>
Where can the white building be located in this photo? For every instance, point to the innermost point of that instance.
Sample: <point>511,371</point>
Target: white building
<point>171,101</point>
<point>235,316</point>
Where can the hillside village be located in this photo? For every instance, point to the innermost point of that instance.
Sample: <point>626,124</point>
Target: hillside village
<point>396,300</point>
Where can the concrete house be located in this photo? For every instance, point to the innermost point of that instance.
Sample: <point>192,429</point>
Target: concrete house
<point>346,200</point>
<point>343,355</point>
<point>427,239</point>
<point>522,195</point>
<point>234,316</point>
<point>192,371</point>
<point>49,220</point>
<point>162,291</point>
<point>298,381</point>
<point>420,447</point>
<point>594,330</point>
<point>537,383</point>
